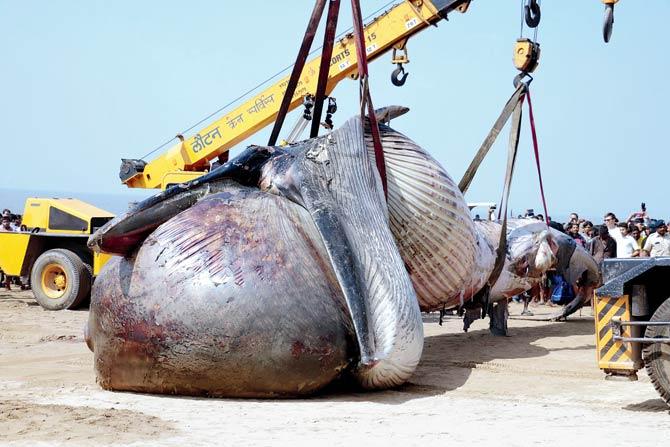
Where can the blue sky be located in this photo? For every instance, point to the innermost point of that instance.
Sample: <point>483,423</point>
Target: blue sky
<point>85,83</point>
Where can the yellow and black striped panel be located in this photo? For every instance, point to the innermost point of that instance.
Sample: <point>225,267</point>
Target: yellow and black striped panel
<point>612,354</point>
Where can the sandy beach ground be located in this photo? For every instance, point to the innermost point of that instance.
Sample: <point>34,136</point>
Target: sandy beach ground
<point>541,386</point>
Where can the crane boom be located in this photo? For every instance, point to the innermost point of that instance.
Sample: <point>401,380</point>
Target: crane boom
<point>190,157</point>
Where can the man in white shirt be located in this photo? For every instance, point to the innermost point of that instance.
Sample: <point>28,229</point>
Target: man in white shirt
<point>626,245</point>
<point>658,243</point>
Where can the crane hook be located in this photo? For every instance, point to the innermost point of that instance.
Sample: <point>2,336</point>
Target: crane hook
<point>519,79</point>
<point>533,14</point>
<point>608,22</point>
<point>398,77</point>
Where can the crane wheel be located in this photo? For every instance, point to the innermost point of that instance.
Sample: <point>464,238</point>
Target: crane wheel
<point>657,356</point>
<point>60,280</point>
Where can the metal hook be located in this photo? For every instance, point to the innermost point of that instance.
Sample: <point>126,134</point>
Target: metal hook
<point>398,77</point>
<point>518,79</point>
<point>533,14</point>
<point>608,22</point>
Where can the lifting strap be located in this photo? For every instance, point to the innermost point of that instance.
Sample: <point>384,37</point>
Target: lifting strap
<point>512,151</point>
<point>365,98</point>
<point>464,184</point>
<point>324,66</point>
<point>307,40</point>
<point>537,156</point>
<point>512,108</point>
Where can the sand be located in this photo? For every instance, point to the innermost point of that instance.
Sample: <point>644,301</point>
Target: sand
<point>541,386</point>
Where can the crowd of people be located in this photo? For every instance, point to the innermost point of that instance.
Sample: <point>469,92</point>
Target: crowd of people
<point>638,236</point>
<point>9,223</point>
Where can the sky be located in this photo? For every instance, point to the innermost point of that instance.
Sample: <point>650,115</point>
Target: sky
<point>86,83</point>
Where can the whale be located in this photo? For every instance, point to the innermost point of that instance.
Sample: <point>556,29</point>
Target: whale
<point>287,269</point>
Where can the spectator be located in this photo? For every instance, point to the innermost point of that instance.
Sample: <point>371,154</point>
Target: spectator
<point>587,231</point>
<point>556,226</point>
<point>492,212</point>
<point>626,245</point>
<point>658,243</point>
<point>642,214</point>
<point>574,218</point>
<point>540,217</point>
<point>573,232</point>
<point>16,224</point>
<point>602,246</point>
<point>639,223</point>
<point>610,220</point>
<point>5,226</point>
<point>635,233</point>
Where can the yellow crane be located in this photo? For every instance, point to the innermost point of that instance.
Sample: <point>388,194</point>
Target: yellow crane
<point>190,157</point>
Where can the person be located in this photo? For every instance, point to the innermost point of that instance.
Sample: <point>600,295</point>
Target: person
<point>642,228</point>
<point>626,245</point>
<point>5,225</point>
<point>642,214</point>
<point>610,220</point>
<point>555,225</point>
<point>492,212</point>
<point>540,217</point>
<point>16,223</point>
<point>573,232</point>
<point>658,243</point>
<point>639,224</point>
<point>587,231</point>
<point>635,233</point>
<point>602,246</point>
<point>477,218</point>
<point>574,218</point>
<point>7,281</point>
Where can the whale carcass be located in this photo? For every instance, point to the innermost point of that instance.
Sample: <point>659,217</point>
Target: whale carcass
<point>286,268</point>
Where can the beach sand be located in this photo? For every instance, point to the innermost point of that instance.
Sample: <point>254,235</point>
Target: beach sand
<point>539,386</point>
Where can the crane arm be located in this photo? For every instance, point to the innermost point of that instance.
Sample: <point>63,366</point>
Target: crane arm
<point>190,158</point>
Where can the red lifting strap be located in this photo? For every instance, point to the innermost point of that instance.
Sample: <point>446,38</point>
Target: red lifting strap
<point>537,155</point>
<point>362,58</point>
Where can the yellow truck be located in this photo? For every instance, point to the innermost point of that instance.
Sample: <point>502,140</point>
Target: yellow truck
<point>52,250</point>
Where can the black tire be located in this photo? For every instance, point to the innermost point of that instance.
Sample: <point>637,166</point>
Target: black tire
<point>53,294</point>
<point>657,356</point>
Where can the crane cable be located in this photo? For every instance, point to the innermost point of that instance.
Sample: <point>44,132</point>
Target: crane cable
<point>257,86</point>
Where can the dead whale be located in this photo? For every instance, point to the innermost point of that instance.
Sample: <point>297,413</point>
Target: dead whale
<point>286,268</point>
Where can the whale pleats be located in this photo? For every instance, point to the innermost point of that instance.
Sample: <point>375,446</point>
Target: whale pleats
<point>430,222</point>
